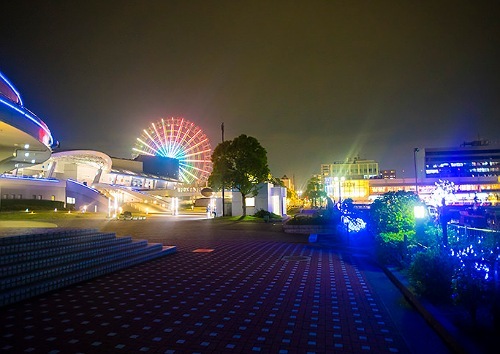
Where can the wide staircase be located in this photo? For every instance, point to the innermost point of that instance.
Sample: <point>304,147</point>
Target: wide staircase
<point>34,264</point>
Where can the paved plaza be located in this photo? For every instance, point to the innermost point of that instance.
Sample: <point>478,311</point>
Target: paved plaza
<point>230,288</point>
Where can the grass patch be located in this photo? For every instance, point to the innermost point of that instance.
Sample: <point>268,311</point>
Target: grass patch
<point>49,215</point>
<point>247,218</point>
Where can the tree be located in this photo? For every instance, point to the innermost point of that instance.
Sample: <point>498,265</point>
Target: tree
<point>315,191</point>
<point>293,199</point>
<point>393,212</point>
<point>277,182</point>
<point>392,220</point>
<point>239,164</point>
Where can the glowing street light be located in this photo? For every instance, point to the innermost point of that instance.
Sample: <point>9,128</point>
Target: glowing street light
<point>419,211</point>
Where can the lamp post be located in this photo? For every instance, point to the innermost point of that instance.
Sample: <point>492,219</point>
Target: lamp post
<point>222,131</point>
<point>336,179</point>
<point>415,150</point>
<point>340,181</point>
<point>342,219</point>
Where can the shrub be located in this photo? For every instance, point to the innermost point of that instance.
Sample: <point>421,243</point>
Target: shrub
<point>431,273</point>
<point>393,212</point>
<point>311,220</point>
<point>389,248</point>
<point>319,217</point>
<point>429,237</point>
<point>472,287</point>
<point>474,281</point>
<point>31,204</point>
<point>393,248</point>
<point>264,213</point>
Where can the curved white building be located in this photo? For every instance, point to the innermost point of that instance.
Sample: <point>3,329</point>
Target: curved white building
<point>25,140</point>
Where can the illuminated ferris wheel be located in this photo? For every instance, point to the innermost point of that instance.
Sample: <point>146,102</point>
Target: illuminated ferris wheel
<point>180,139</point>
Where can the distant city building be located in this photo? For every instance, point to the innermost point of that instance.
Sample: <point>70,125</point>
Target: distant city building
<point>486,189</point>
<point>388,174</point>
<point>467,189</point>
<point>471,159</point>
<point>341,189</point>
<point>287,182</point>
<point>474,168</point>
<point>355,168</point>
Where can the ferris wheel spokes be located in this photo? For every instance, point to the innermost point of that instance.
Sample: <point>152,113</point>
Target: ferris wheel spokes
<point>180,139</point>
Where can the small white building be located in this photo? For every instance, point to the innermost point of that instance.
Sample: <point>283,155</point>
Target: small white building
<point>269,198</point>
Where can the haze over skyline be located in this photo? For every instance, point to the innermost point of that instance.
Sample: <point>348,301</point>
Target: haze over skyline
<point>314,81</point>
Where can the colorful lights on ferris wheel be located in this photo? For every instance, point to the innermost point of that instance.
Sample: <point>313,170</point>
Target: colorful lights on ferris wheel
<point>178,138</point>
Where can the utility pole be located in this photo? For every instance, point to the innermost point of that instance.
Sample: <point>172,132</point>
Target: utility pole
<point>415,150</point>
<point>222,131</point>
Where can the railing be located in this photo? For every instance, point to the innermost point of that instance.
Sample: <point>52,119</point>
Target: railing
<point>479,252</point>
<point>475,234</point>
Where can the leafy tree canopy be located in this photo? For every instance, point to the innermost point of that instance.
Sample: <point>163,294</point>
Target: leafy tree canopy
<point>315,191</point>
<point>239,164</point>
<point>393,212</point>
<point>277,182</point>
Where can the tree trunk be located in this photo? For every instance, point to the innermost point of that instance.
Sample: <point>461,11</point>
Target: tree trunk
<point>244,204</point>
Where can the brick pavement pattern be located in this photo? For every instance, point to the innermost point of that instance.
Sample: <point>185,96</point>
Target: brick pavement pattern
<point>212,297</point>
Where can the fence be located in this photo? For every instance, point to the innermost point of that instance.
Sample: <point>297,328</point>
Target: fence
<point>473,234</point>
<point>479,250</point>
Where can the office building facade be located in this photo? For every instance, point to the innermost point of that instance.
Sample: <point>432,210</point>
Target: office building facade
<point>351,169</point>
<point>471,159</point>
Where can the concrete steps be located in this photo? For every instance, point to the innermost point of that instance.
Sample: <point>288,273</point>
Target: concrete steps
<point>34,264</point>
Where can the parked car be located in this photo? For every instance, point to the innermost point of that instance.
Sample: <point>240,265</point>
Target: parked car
<point>126,215</point>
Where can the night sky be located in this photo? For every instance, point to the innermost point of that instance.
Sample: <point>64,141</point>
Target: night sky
<point>313,81</point>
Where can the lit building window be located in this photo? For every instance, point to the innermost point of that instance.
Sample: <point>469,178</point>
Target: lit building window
<point>250,202</point>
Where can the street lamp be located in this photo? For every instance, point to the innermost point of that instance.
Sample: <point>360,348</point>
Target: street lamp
<point>415,150</point>
<point>222,133</point>
<point>419,212</point>
<point>336,179</point>
<point>340,181</point>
